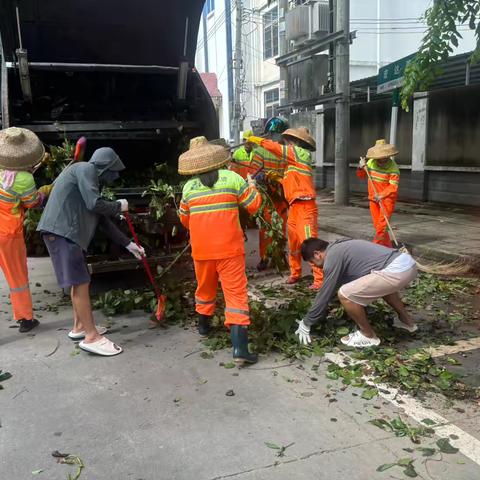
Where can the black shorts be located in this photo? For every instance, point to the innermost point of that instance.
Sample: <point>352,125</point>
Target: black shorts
<point>68,261</point>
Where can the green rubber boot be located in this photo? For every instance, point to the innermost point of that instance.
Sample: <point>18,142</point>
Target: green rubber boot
<point>239,336</point>
<point>204,325</point>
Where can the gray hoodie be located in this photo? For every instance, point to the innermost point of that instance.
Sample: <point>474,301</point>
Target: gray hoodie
<point>347,260</point>
<point>75,207</point>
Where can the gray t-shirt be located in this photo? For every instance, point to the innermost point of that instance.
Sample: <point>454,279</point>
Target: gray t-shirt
<point>345,261</point>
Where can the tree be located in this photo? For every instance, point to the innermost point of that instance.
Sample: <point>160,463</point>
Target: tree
<point>442,35</point>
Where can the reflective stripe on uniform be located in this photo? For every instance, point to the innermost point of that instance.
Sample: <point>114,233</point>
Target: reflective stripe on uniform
<point>213,208</point>
<point>210,193</point>
<point>204,302</point>
<point>308,231</point>
<point>20,289</point>
<point>237,310</point>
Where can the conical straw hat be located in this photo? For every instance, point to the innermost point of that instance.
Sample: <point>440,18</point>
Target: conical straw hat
<point>303,134</point>
<point>202,157</point>
<point>20,149</point>
<point>382,149</point>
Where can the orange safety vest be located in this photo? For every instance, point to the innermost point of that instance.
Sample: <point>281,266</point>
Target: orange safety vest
<point>211,215</point>
<point>298,180</point>
<point>14,200</point>
<point>385,178</point>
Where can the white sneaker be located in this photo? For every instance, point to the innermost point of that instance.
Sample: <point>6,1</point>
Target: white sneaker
<point>359,340</point>
<point>397,323</point>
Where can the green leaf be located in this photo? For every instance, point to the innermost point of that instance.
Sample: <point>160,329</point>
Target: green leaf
<point>427,452</point>
<point>342,331</point>
<point>398,424</point>
<point>410,472</point>
<point>381,423</point>
<point>445,447</point>
<point>369,393</point>
<point>385,466</point>
<point>206,355</point>
<point>273,446</point>
<point>405,462</point>
<point>5,376</point>
<point>428,421</point>
<point>229,365</point>
<point>332,375</point>
<point>36,472</point>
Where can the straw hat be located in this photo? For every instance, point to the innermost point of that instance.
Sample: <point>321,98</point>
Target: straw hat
<point>20,149</point>
<point>202,157</point>
<point>303,134</point>
<point>382,149</point>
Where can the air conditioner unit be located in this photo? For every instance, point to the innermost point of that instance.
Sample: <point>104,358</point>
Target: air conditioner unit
<point>308,22</point>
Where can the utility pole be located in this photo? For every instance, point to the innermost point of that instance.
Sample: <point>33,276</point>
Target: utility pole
<point>283,49</point>
<point>342,107</point>
<point>237,109</point>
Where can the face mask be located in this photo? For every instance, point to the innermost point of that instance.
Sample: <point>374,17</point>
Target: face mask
<point>108,177</point>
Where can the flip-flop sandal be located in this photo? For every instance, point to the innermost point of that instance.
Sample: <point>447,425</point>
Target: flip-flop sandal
<point>80,335</point>
<point>102,347</point>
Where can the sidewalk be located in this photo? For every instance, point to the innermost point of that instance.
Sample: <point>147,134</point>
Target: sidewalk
<point>435,231</point>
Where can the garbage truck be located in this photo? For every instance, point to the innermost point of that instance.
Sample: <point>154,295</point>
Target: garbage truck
<point>117,72</point>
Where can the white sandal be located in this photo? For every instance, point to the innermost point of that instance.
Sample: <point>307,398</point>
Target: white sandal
<point>103,347</point>
<point>397,323</point>
<point>359,340</point>
<point>81,335</point>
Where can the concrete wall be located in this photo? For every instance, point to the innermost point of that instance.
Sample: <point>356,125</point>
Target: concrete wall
<point>454,127</point>
<point>450,171</point>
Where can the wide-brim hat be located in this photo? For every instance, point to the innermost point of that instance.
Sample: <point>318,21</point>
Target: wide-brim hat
<point>303,134</point>
<point>382,149</point>
<point>202,157</point>
<point>20,149</point>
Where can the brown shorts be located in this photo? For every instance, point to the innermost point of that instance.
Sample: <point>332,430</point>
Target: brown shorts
<point>375,285</point>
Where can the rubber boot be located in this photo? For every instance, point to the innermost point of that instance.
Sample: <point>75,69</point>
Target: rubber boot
<point>239,336</point>
<point>262,265</point>
<point>204,325</point>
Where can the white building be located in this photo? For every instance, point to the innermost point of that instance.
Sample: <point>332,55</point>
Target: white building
<point>386,30</point>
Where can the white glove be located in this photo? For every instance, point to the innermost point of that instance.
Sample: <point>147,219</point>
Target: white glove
<point>123,205</point>
<point>135,250</point>
<point>363,163</point>
<point>250,180</point>
<point>303,333</point>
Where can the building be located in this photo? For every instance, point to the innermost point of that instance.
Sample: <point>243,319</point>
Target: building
<point>384,32</point>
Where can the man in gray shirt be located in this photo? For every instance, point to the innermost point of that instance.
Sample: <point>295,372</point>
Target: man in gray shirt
<point>73,212</point>
<point>362,272</point>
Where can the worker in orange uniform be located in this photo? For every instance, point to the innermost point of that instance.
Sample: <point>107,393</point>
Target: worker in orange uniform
<point>20,150</point>
<point>382,188</point>
<point>300,194</point>
<point>209,210</point>
<point>242,157</point>
<point>273,169</point>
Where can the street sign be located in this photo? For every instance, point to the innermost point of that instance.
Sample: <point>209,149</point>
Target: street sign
<point>390,76</point>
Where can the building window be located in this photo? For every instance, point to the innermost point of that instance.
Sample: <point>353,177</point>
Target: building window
<point>271,102</point>
<point>270,33</point>
<point>209,6</point>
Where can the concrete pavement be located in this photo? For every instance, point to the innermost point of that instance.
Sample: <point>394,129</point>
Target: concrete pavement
<point>159,410</point>
<point>429,230</point>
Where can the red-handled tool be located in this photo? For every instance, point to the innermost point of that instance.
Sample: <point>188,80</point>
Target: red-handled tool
<point>162,299</point>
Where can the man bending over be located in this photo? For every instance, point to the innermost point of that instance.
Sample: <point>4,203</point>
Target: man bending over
<point>362,272</point>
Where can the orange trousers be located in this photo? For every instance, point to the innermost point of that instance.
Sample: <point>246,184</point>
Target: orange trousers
<point>281,207</point>
<point>302,224</point>
<point>13,262</point>
<point>381,231</point>
<point>231,273</point>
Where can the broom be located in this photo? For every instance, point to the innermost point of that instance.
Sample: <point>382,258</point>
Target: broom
<point>458,267</point>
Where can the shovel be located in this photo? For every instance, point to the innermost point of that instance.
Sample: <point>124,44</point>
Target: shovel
<point>161,299</point>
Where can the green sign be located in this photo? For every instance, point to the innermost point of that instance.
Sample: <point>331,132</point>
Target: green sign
<point>390,76</point>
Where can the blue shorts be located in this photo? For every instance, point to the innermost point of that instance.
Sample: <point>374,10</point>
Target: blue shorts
<point>68,260</point>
